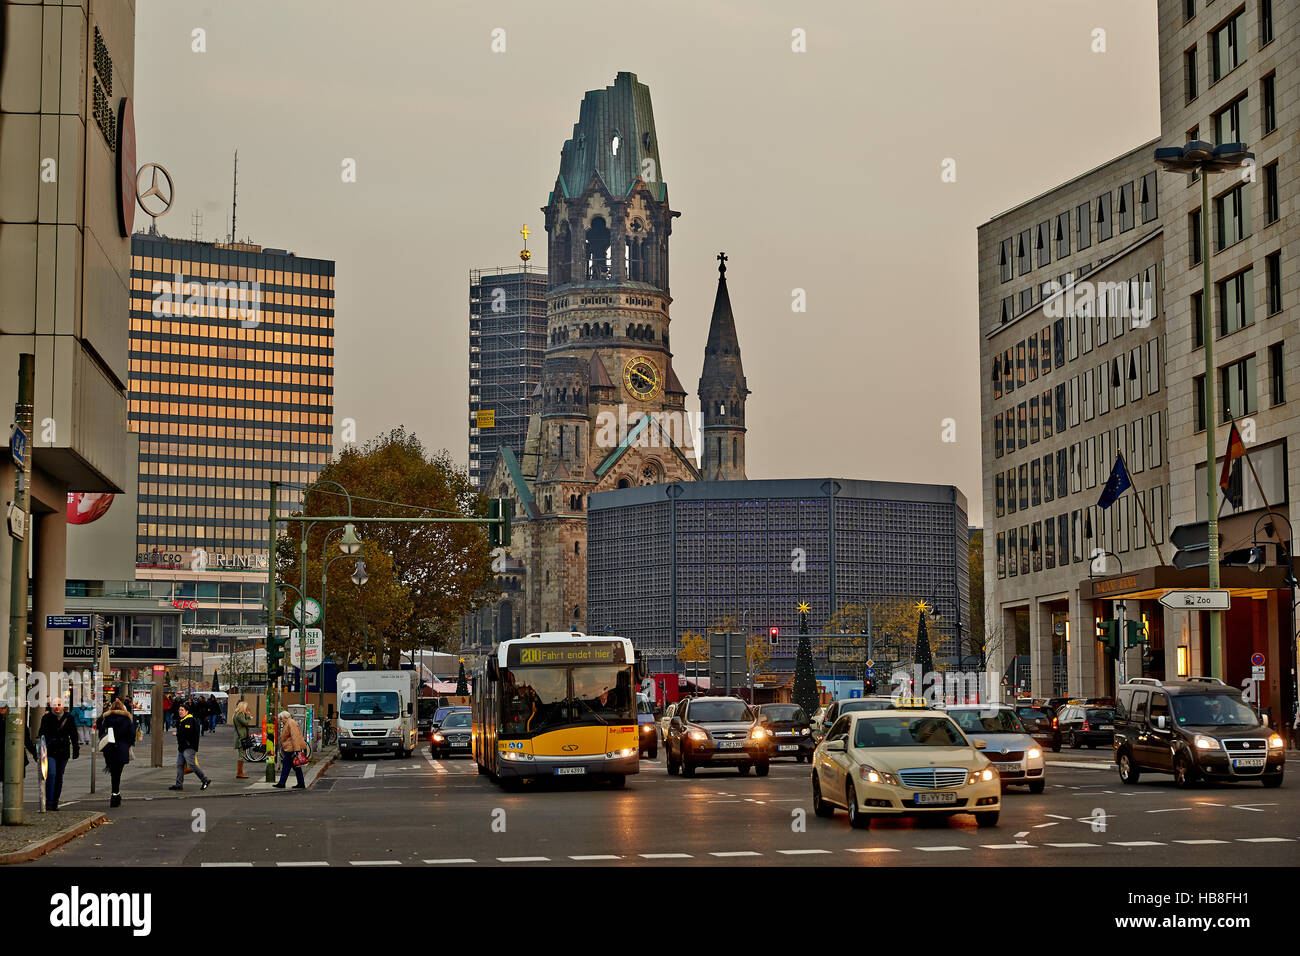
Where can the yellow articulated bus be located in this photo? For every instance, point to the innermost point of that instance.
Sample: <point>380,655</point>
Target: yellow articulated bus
<point>559,704</point>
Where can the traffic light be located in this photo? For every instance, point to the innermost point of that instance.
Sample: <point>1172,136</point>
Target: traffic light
<point>275,656</point>
<point>773,635</point>
<point>503,510</point>
<point>1108,634</point>
<point>1136,633</point>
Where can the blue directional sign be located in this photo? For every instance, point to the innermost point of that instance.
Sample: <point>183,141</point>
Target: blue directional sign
<point>67,622</point>
<point>18,447</point>
<point>870,673</point>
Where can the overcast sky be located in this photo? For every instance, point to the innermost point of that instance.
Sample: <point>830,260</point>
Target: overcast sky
<point>817,171</point>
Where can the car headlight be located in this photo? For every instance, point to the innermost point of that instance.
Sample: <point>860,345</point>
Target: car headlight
<point>805,732</point>
<point>344,732</point>
<point>758,733</point>
<point>1276,742</point>
<point>1034,753</point>
<point>985,775</point>
<point>438,738</point>
<point>698,735</point>
<point>1206,743</point>
<point>647,728</point>
<point>872,775</point>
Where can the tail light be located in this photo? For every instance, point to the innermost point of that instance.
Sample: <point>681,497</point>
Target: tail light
<point>1055,724</point>
<point>1085,726</point>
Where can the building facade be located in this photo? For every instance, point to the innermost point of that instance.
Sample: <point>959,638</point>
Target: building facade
<point>66,209</point>
<point>678,557</point>
<point>507,338</point>
<point>1072,376</point>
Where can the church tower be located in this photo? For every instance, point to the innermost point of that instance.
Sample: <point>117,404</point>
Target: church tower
<point>722,392</point>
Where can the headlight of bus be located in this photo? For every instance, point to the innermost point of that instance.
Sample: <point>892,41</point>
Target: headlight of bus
<point>515,755</point>
<point>626,752</point>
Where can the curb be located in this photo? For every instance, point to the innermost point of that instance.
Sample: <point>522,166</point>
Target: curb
<point>317,771</point>
<point>34,850</point>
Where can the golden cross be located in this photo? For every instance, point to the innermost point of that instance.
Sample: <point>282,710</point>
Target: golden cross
<point>524,232</point>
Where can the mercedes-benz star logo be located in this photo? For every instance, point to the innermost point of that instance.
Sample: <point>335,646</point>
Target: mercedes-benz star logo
<point>161,195</point>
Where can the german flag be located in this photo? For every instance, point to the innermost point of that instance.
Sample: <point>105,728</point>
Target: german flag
<point>1236,449</point>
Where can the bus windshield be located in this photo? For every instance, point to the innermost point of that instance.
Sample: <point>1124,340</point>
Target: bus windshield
<point>537,699</point>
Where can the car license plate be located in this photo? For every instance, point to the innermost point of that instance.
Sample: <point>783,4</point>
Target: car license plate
<point>1248,762</point>
<point>1107,726</point>
<point>562,771</point>
<point>730,744</point>
<point>461,746</point>
<point>931,799</point>
<point>789,746</point>
<point>1009,767</point>
<point>369,743</point>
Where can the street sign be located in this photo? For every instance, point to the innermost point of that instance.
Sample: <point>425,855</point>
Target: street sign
<point>870,672</point>
<point>311,648</point>
<point>100,625</point>
<point>67,622</point>
<point>1258,673</point>
<point>845,653</point>
<point>1257,659</point>
<point>1204,599</point>
<point>312,612</point>
<point>18,447</point>
<point>17,522</point>
<point>1193,544</point>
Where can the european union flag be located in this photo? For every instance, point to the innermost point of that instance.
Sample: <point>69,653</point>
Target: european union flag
<point>1118,483</point>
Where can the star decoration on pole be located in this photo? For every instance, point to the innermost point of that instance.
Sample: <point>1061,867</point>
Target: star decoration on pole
<point>803,607</point>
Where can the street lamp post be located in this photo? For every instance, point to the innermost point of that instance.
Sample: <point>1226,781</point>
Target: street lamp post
<point>1203,158</point>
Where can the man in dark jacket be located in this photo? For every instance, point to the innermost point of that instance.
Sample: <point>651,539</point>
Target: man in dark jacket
<point>61,742</point>
<point>187,746</point>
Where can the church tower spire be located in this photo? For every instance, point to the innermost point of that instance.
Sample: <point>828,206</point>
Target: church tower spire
<point>722,392</point>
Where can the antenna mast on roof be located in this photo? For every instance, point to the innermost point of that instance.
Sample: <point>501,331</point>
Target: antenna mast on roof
<point>234,198</point>
<point>197,222</point>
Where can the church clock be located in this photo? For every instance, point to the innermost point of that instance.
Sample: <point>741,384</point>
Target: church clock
<point>641,378</point>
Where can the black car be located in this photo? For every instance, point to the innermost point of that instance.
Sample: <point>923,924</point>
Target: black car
<point>716,731</point>
<point>1085,725</point>
<point>1197,729</point>
<point>425,707</point>
<point>1041,722</point>
<point>791,731</point>
<point>452,736</point>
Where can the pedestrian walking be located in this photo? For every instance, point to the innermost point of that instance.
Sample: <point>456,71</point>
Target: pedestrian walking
<point>291,741</point>
<point>243,729</point>
<point>187,749</point>
<point>169,710</point>
<point>60,733</point>
<point>116,737</point>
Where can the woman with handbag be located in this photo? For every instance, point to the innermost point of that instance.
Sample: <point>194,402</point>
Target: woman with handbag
<point>116,736</point>
<point>243,727</point>
<point>292,744</point>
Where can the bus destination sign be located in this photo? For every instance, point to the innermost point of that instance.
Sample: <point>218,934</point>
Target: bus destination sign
<point>524,654</point>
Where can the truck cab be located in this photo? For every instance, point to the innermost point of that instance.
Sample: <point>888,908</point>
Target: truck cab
<point>377,713</point>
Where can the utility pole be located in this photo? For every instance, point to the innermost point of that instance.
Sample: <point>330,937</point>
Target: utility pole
<point>16,725</point>
<point>271,696</point>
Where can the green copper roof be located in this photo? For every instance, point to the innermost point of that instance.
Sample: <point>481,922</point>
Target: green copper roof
<point>621,110</point>
<point>517,478</point>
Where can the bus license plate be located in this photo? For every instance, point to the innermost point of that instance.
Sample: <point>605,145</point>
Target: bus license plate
<point>562,771</point>
<point>930,799</point>
<point>730,744</point>
<point>1248,762</point>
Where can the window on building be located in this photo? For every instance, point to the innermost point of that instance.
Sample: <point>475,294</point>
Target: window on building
<point>1047,413</point>
<point>1022,482</point>
<point>1083,226</point>
<point>1189,75</point>
<point>997,436</point>
<point>1062,235</point>
<point>1088,393</point>
<point>1189,9</point>
<point>1194,235</point>
<point>1043,244</point>
<point>1155,440</point>
<point>1002,554</point>
<point>1060,407</point>
<point>1127,213</point>
<point>1035,483</point>
<point>1022,425</point>
<point>1265,22</point>
<point>1271,207</point>
<point>1105,224</point>
<point>1011,490</point>
<point>1062,472</point>
<point>1225,49</point>
<point>1197,321</point>
<point>1232,216</point>
<point>1013,552</point>
<point>1036,546</point>
<point>1227,122</point>
<point>1000,494</point>
<point>1024,549</point>
<point>1236,302</point>
<point>1268,93</point>
<point>1238,383</point>
<point>1008,309</point>
<point>1193,134</point>
<point>1026,300</point>
<point>1032,360</point>
<point>1063,539</point>
<point>1045,349</point>
<point>1049,477</point>
<point>1033,420</point>
<point>1198,399</point>
<point>1147,199</point>
<point>1020,364</point>
<point>1024,253</point>
<point>1005,263</point>
<point>1273,274</point>
<point>1049,543</point>
<point>1276,374</point>
<point>1074,401</point>
<point>1058,341</point>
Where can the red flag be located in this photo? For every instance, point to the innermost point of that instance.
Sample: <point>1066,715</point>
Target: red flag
<point>1236,449</point>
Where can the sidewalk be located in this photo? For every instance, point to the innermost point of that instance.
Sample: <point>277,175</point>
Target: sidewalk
<point>140,781</point>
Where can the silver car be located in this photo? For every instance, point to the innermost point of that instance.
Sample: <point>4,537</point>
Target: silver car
<point>1007,743</point>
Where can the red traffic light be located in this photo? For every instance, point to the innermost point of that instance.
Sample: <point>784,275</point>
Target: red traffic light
<point>774,631</point>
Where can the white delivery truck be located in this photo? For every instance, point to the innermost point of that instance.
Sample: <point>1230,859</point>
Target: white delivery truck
<point>377,712</point>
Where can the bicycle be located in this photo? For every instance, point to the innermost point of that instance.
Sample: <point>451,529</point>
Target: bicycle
<point>254,751</point>
<point>328,734</point>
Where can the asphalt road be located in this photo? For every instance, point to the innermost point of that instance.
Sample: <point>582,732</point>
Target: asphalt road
<point>425,813</point>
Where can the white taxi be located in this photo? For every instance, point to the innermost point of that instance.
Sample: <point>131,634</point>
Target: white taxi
<point>903,763</point>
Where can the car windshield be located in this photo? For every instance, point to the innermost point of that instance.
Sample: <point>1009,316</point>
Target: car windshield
<point>908,732</point>
<point>459,719</point>
<point>785,712</point>
<point>1213,710</point>
<point>853,706</point>
<point>369,705</point>
<point>717,711</point>
<point>978,721</point>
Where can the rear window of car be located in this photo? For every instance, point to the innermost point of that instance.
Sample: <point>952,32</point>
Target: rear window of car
<point>1101,715</point>
<point>783,712</point>
<point>1033,713</point>
<point>853,706</point>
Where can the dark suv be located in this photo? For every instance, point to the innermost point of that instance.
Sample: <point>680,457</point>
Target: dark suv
<point>1087,725</point>
<point>1040,721</point>
<point>790,729</point>
<point>1194,729</point>
<point>716,730</point>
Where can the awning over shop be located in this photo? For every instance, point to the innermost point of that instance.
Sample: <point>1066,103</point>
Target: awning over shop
<point>1153,582</point>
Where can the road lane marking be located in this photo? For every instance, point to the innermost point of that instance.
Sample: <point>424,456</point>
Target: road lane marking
<point>1264,840</point>
<point>370,771</point>
<point>1071,846</point>
<point>1252,806</point>
<point>523,859</point>
<point>801,852</point>
<point>1136,843</point>
<point>1039,826</point>
<point>1200,842</point>
<point>463,859</point>
<point>1169,810</point>
<point>1057,816</point>
<point>375,862</point>
<point>736,853</point>
<point>940,849</point>
<point>597,856</point>
<point>1202,803</point>
<point>225,864</point>
<point>666,856</point>
<point>872,849</point>
<point>302,863</point>
<point>1007,846</point>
